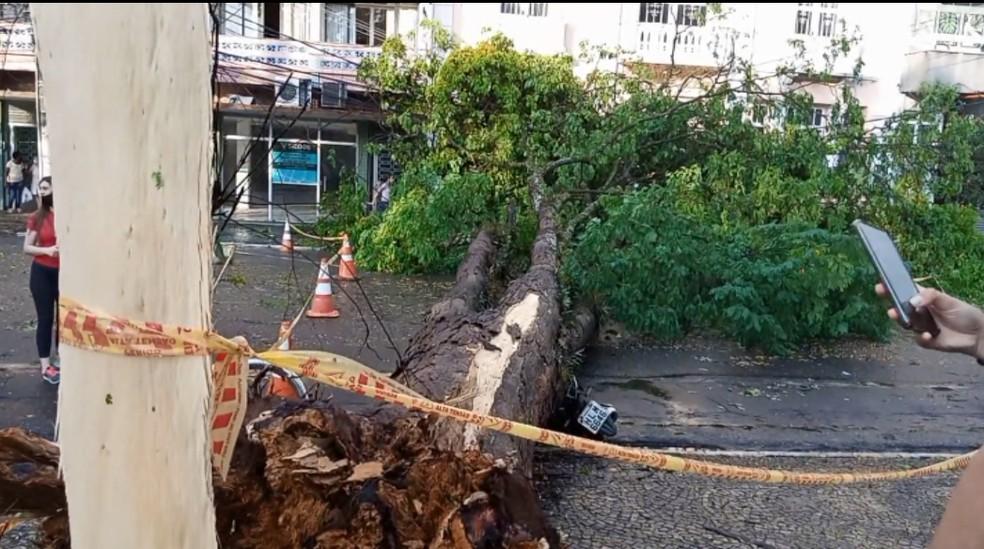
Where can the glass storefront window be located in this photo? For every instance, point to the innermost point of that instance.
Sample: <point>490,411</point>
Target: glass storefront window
<point>339,132</point>
<point>306,130</point>
<point>337,161</point>
<point>306,161</point>
<point>244,164</point>
<point>243,127</point>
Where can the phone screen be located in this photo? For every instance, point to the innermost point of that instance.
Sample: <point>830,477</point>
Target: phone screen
<point>895,276</point>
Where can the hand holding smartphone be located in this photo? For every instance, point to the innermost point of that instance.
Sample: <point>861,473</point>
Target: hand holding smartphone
<point>895,277</point>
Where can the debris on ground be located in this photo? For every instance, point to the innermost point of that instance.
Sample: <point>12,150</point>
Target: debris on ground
<point>319,477</point>
<point>312,475</point>
<point>32,496</point>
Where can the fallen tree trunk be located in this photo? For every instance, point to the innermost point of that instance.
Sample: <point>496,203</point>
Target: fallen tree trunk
<point>500,362</point>
<point>448,317</point>
<point>315,476</point>
<point>431,482</point>
<point>33,512</point>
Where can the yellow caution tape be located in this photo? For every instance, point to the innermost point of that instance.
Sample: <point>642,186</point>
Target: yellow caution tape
<point>87,329</point>
<point>297,230</point>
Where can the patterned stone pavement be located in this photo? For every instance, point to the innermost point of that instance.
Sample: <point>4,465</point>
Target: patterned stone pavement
<point>608,505</point>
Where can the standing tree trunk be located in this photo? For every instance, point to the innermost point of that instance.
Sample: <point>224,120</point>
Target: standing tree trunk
<point>127,96</point>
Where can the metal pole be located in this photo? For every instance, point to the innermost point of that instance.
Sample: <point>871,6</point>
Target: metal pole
<point>38,122</point>
<point>270,170</point>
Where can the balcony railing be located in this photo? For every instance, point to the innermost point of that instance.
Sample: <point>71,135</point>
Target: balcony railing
<point>701,46</point>
<point>949,28</point>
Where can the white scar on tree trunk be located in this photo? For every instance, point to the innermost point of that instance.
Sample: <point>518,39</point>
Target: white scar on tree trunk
<point>490,363</point>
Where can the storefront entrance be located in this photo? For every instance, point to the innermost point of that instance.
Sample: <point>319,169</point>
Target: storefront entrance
<point>287,169</point>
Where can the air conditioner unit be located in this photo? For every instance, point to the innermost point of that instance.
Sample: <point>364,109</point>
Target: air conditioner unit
<point>333,94</point>
<point>294,93</point>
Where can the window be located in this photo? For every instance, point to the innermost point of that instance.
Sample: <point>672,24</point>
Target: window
<point>689,15</point>
<point>338,24</point>
<point>15,12</point>
<point>816,19</point>
<point>296,19</point>
<point>348,24</point>
<point>818,118</point>
<point>242,19</point>
<point>531,9</point>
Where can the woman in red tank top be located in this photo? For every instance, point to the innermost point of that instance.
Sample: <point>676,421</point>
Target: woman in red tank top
<point>42,243</point>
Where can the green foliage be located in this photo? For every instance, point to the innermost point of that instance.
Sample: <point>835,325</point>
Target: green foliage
<point>754,241</point>
<point>785,284</point>
<point>429,227</point>
<point>665,273</point>
<point>727,211</point>
<point>466,128</point>
<point>486,108</point>
<point>347,207</point>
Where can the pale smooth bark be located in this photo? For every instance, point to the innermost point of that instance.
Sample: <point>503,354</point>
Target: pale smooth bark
<point>128,106</point>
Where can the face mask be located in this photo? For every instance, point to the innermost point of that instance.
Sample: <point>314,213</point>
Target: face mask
<point>48,201</point>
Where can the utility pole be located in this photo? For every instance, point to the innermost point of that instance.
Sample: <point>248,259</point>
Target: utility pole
<point>127,94</point>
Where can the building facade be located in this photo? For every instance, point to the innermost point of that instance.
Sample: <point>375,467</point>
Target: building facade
<point>294,121</point>
<point>291,117</point>
<point>902,46</point>
<point>21,116</point>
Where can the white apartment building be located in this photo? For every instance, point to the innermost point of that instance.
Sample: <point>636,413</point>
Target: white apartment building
<point>902,45</point>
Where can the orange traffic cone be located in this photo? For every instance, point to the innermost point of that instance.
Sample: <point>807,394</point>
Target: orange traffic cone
<point>323,305</point>
<point>286,336</point>
<point>286,242</point>
<point>346,265</point>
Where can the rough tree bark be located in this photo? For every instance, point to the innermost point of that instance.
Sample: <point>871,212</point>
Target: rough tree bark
<point>128,103</point>
<point>501,361</point>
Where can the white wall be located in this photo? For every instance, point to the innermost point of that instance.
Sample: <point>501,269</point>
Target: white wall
<point>475,22</point>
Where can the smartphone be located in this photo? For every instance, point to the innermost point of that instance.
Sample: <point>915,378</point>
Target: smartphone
<point>895,277</point>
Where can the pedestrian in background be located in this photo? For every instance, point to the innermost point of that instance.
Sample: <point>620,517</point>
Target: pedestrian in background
<point>29,190</point>
<point>42,243</point>
<point>35,177</point>
<point>14,177</point>
<point>381,199</point>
